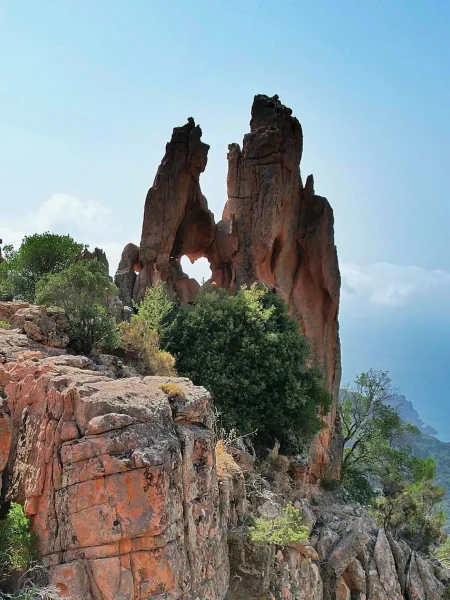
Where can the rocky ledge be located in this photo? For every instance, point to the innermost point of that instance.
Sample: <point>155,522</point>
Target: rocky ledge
<point>118,478</point>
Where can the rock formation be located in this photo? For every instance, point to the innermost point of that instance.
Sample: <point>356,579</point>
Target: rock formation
<point>177,221</point>
<point>118,479</point>
<point>121,483</point>
<point>273,230</point>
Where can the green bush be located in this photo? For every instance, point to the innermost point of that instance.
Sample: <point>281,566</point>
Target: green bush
<point>442,553</point>
<point>248,352</point>
<point>285,530</point>
<point>140,336</point>
<point>38,255</point>
<point>5,325</point>
<point>86,293</point>
<point>17,542</point>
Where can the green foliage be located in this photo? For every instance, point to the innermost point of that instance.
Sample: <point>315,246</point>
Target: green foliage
<point>86,293</point>
<point>38,255</point>
<point>248,352</point>
<point>425,446</point>
<point>5,325</point>
<point>17,542</point>
<point>140,336</point>
<point>173,390</point>
<point>375,450</point>
<point>442,553</point>
<point>284,530</point>
<point>413,512</point>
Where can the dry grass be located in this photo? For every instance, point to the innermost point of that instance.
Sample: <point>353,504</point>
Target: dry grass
<point>173,390</point>
<point>226,466</point>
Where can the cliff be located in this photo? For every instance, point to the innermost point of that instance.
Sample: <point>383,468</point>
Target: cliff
<point>123,489</point>
<point>118,479</point>
<point>274,230</point>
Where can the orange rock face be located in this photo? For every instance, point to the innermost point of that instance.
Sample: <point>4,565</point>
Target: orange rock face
<point>280,233</point>
<point>177,221</point>
<point>120,485</point>
<point>274,230</point>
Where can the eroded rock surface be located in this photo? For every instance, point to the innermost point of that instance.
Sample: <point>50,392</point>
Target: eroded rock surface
<point>119,482</point>
<point>177,221</point>
<point>40,324</point>
<point>352,559</point>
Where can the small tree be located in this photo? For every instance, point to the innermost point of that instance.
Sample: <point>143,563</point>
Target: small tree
<point>140,337</point>
<point>38,255</point>
<point>86,293</point>
<point>248,352</point>
<point>374,451</point>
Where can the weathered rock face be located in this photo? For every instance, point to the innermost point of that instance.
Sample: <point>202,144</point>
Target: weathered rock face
<point>351,559</point>
<point>177,221</point>
<point>121,486</point>
<point>273,230</point>
<point>126,274</point>
<point>47,326</point>
<point>119,482</point>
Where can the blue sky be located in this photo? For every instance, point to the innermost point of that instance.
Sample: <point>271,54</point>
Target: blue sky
<point>92,89</point>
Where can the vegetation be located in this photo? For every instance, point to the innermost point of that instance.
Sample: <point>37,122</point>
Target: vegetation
<point>248,352</point>
<point>378,468</point>
<point>86,293</point>
<point>413,511</point>
<point>375,452</point>
<point>226,466</point>
<point>442,553</point>
<point>285,530</point>
<point>173,390</point>
<point>425,446</point>
<point>38,255</point>
<point>140,337</point>
<point>17,542</point>
<point>5,325</point>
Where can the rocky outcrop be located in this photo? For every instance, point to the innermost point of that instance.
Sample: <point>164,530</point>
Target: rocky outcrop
<point>177,221</point>
<point>118,479</point>
<point>126,274</point>
<point>281,234</point>
<point>353,560</point>
<point>97,254</point>
<point>274,230</point>
<point>121,483</point>
<point>45,325</point>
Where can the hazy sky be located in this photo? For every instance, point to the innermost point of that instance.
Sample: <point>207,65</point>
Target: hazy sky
<point>92,89</point>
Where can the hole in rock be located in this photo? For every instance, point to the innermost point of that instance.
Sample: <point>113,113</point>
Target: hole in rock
<point>199,270</point>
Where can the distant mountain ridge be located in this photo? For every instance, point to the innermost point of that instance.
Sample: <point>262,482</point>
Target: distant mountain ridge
<point>409,414</point>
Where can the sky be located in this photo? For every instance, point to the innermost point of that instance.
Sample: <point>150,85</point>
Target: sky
<point>92,89</point>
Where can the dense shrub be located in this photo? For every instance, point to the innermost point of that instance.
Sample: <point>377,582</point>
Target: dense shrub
<point>140,337</point>
<point>248,352</point>
<point>284,530</point>
<point>442,553</point>
<point>5,325</point>
<point>412,511</point>
<point>17,542</point>
<point>38,255</point>
<point>376,455</point>
<point>86,293</point>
